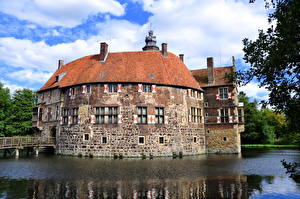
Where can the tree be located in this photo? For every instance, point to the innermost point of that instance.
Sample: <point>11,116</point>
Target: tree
<point>5,104</point>
<point>20,119</point>
<point>274,59</point>
<point>261,126</point>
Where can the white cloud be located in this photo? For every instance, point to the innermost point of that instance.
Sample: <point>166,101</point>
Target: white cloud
<point>30,76</point>
<point>196,28</point>
<point>66,13</point>
<point>12,87</point>
<point>252,90</point>
<point>205,28</point>
<point>121,36</point>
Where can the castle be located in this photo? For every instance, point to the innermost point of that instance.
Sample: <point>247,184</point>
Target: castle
<point>143,103</point>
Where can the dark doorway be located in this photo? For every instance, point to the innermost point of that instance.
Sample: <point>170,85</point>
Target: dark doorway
<point>53,132</point>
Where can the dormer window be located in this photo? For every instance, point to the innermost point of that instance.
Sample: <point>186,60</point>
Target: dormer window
<point>112,88</point>
<point>147,88</point>
<point>59,77</point>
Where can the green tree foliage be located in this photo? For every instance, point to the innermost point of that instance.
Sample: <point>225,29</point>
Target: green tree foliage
<point>261,126</point>
<point>5,104</point>
<point>20,119</point>
<point>274,59</point>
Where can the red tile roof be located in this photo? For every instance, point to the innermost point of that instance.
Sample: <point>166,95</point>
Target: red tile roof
<point>137,67</point>
<point>219,73</point>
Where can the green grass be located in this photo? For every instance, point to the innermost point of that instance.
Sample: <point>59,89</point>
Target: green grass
<point>268,146</point>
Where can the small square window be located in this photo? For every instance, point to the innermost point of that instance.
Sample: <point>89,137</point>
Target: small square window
<point>141,140</point>
<point>86,137</point>
<point>206,114</point>
<point>206,104</point>
<point>161,140</point>
<point>104,140</point>
<point>195,139</point>
<point>225,138</point>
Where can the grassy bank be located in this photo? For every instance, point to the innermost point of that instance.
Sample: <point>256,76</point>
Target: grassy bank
<point>268,146</point>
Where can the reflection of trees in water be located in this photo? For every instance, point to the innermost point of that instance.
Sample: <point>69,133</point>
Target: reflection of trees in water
<point>218,187</point>
<point>239,187</point>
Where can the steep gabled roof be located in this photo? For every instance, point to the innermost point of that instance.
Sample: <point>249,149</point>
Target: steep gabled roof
<point>136,67</point>
<point>219,74</point>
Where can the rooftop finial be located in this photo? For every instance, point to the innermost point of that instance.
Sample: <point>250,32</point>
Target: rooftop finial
<point>150,41</point>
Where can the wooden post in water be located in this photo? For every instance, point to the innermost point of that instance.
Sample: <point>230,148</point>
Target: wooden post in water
<point>36,149</point>
<point>17,153</point>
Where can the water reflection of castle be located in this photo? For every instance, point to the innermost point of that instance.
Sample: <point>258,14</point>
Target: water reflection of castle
<point>198,188</point>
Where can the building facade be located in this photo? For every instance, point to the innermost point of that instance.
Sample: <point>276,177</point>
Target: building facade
<point>144,103</point>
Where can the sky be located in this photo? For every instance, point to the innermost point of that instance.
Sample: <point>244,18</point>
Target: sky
<point>35,34</point>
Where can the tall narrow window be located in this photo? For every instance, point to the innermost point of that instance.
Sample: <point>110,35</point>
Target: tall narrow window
<point>65,113</point>
<point>223,92</point>
<point>240,114</point>
<point>113,88</point>
<point>75,115</point>
<point>57,112</point>
<point>159,115</point>
<point>49,114</point>
<point>40,114</point>
<point>100,113</point>
<point>224,115</point>
<point>88,89</point>
<point>195,114</point>
<point>142,115</point>
<point>112,115</point>
<point>147,88</point>
<point>72,91</point>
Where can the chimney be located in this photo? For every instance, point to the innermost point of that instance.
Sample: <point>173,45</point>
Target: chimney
<point>60,63</point>
<point>181,56</point>
<point>103,51</point>
<point>164,49</point>
<point>210,70</point>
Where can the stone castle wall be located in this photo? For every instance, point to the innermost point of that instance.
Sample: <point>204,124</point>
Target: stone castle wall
<point>179,134</point>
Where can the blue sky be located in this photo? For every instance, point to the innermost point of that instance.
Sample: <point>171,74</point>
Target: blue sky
<point>35,34</point>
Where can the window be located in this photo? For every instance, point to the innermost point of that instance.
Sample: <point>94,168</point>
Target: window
<point>40,114</point>
<point>72,91</point>
<point>224,115</point>
<point>147,88</point>
<point>141,140</point>
<point>142,115</point>
<point>206,114</point>
<point>86,137</point>
<point>75,115</point>
<point>206,104</point>
<point>195,114</point>
<point>195,139</point>
<point>159,115</point>
<point>223,93</point>
<point>104,140</point>
<point>240,114</point>
<point>49,114</point>
<point>57,112</point>
<point>107,115</point>
<point>207,131</point>
<point>65,113</point>
<point>193,93</point>
<point>88,89</point>
<point>225,138</point>
<point>161,140</point>
<point>113,88</point>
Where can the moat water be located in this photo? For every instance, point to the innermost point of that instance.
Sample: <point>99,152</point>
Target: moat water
<point>254,174</point>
